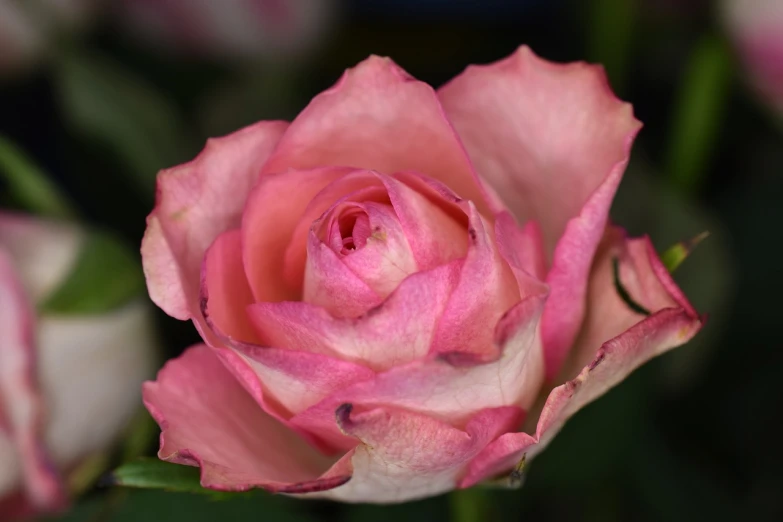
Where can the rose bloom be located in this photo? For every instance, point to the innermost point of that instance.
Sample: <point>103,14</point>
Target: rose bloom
<point>403,291</point>
<point>229,28</point>
<point>756,27</point>
<point>30,28</point>
<point>68,383</point>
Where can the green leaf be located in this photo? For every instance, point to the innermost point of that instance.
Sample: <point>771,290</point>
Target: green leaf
<point>677,253</point>
<point>105,276</point>
<point>698,113</point>
<point>107,103</point>
<point>610,34</point>
<point>151,473</point>
<point>29,186</point>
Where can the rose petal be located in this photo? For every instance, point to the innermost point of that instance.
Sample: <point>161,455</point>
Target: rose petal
<point>91,369</point>
<point>330,284</point>
<point>378,117</point>
<point>225,288</point>
<point>451,393</point>
<point>553,141</point>
<point>297,380</point>
<point>19,394</point>
<point>197,201</point>
<point>404,455</point>
<point>44,251</point>
<point>522,249</point>
<point>384,259</point>
<point>673,323</point>
<point>274,209</point>
<point>237,448</point>
<point>398,331</point>
<point>486,290</point>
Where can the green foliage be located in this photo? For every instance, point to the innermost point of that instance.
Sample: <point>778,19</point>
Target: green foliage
<point>28,186</point>
<point>105,276</point>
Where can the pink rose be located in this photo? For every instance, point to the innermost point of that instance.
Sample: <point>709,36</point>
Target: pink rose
<point>757,29</point>
<point>68,382</point>
<point>387,285</point>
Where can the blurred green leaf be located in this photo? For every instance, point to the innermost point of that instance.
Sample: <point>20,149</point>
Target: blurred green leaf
<point>698,113</point>
<point>105,276</point>
<point>107,103</point>
<point>151,473</point>
<point>29,186</point>
<point>141,432</point>
<point>469,505</point>
<point>610,32</point>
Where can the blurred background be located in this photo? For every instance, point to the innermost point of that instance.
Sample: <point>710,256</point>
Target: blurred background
<point>97,95</point>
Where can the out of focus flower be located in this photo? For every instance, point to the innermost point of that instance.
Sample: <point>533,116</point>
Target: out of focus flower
<point>239,29</point>
<point>68,382</point>
<point>29,29</point>
<point>756,27</point>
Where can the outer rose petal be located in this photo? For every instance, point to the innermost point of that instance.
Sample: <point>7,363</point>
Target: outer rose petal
<point>673,323</point>
<point>378,117</point>
<point>195,203</point>
<point>554,141</point>
<point>20,403</point>
<point>237,447</point>
<point>404,456</point>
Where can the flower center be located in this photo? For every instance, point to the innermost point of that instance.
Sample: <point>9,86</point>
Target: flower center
<point>354,229</point>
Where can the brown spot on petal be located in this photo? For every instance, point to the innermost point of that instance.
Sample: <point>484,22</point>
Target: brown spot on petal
<point>343,417</point>
<point>598,360</point>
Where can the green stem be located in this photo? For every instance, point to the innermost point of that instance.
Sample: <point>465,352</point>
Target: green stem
<point>469,505</point>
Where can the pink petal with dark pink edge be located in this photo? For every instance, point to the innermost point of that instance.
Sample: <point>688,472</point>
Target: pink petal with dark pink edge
<point>297,380</point>
<point>436,227</point>
<point>398,331</point>
<point>20,401</point>
<point>404,456</point>
<point>274,210</point>
<point>208,420</point>
<point>448,392</point>
<point>486,290</point>
<point>197,201</point>
<point>522,249</point>
<point>225,288</point>
<point>554,141</point>
<point>378,117</point>
<point>330,284</point>
<point>355,185</point>
<point>373,245</point>
<point>632,340</point>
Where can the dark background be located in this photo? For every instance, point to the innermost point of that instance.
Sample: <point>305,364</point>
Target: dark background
<point>695,434</point>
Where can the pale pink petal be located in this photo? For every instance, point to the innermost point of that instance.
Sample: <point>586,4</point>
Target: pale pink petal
<point>522,249</point>
<point>237,447</point>
<point>296,380</point>
<point>404,456</point>
<point>442,390</point>
<point>373,247</point>
<point>554,141</point>
<point>433,223</point>
<point>378,117</point>
<point>626,339</point>
<point>197,201</point>
<point>274,209</point>
<point>398,331</point>
<point>486,290</point>
<point>329,283</point>
<point>22,408</point>
<point>43,251</point>
<point>225,288</point>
